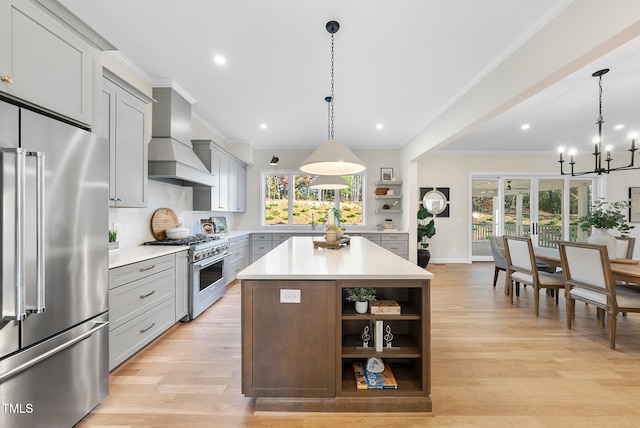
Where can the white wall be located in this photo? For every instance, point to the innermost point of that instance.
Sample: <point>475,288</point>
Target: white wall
<point>292,159</point>
<point>453,238</point>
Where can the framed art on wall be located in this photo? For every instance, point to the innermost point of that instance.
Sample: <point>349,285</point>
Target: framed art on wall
<point>386,174</point>
<point>634,209</point>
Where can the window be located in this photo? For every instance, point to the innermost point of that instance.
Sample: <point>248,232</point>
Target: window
<point>289,200</point>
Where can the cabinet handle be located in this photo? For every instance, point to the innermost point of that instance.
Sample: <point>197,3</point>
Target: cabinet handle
<point>6,79</point>
<point>147,268</point>
<point>144,330</point>
<point>144,296</point>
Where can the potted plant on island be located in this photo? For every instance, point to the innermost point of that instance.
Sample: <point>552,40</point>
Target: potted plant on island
<point>426,230</point>
<point>602,217</point>
<point>361,296</point>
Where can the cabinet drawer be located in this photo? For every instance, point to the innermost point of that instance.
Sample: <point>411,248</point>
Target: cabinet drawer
<point>260,237</point>
<point>374,237</point>
<point>237,254</point>
<point>240,240</point>
<point>394,237</point>
<point>260,247</point>
<point>400,247</point>
<point>134,298</point>
<point>125,274</point>
<point>233,269</point>
<point>130,337</point>
<point>280,237</point>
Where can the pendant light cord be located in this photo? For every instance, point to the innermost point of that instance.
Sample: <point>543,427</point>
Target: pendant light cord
<point>332,97</point>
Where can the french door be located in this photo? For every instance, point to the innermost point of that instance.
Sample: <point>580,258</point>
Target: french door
<point>546,209</point>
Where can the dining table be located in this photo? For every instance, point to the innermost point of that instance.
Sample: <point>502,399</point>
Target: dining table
<point>627,270</point>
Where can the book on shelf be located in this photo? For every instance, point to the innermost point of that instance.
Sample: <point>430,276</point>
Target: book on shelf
<point>368,380</point>
<point>377,336</point>
<point>384,307</point>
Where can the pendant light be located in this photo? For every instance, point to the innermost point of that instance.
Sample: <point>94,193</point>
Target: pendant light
<point>332,157</point>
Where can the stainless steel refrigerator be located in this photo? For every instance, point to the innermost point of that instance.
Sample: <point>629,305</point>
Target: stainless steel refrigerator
<point>54,261</point>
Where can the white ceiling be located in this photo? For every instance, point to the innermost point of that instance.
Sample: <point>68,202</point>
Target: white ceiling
<point>398,63</point>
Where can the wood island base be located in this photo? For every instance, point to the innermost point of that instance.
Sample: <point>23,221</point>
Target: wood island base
<point>387,404</point>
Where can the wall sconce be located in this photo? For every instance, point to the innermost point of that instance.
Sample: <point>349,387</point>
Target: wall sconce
<point>274,160</point>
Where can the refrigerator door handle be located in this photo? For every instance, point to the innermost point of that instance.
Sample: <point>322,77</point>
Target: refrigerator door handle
<point>40,215</point>
<point>13,182</point>
<point>97,326</point>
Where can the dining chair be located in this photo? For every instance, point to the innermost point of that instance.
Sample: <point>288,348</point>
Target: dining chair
<point>499,259</point>
<point>588,278</point>
<point>522,267</point>
<point>624,247</point>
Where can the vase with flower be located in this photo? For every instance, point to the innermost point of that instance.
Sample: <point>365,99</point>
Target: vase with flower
<point>604,216</point>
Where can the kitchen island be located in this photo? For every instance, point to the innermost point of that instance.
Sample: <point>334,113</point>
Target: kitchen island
<point>301,338</point>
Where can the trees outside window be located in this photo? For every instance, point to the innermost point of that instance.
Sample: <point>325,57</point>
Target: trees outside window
<point>289,199</point>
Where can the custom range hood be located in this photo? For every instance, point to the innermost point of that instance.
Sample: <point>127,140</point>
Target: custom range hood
<point>171,156</point>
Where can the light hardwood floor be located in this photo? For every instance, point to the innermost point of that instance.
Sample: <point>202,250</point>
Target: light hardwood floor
<point>493,365</point>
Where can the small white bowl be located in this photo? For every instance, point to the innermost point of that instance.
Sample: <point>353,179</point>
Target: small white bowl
<point>177,232</point>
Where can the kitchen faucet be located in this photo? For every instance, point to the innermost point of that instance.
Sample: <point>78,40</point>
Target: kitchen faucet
<point>313,222</point>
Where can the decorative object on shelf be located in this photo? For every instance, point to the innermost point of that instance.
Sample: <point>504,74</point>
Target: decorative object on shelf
<point>385,307</point>
<point>375,365</point>
<point>388,223</point>
<point>436,201</point>
<point>361,296</point>
<point>274,160</point>
<point>366,337</point>
<point>601,219</point>
<point>426,230</point>
<point>329,182</point>
<point>367,380</point>
<point>598,153</point>
<point>381,191</point>
<point>386,174</point>
<point>634,204</point>
<point>388,336</point>
<point>332,157</point>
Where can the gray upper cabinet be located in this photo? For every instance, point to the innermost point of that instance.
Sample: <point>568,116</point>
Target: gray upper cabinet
<point>229,193</point>
<point>43,63</point>
<point>124,117</point>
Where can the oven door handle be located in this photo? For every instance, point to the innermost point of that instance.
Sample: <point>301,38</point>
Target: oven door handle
<point>216,260</point>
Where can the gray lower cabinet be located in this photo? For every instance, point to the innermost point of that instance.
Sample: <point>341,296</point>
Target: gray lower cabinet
<point>239,258</point>
<point>261,244</point>
<point>142,305</point>
<point>44,63</point>
<point>182,285</point>
<point>123,121</point>
<point>397,243</point>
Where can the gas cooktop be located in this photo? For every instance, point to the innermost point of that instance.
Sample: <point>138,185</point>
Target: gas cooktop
<point>189,240</point>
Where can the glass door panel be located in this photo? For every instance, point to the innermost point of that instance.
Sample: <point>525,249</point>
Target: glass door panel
<point>551,210</point>
<point>517,207</point>
<point>484,216</point>
<point>580,199</point>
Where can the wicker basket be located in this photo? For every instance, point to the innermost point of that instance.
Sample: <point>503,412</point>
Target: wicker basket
<point>381,190</point>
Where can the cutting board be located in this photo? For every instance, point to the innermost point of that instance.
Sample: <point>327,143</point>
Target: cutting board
<point>161,220</point>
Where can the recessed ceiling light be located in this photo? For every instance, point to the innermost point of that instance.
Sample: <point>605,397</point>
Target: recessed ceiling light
<point>220,60</point>
<point>263,126</point>
<point>379,126</point>
<point>525,126</point>
<point>618,127</point>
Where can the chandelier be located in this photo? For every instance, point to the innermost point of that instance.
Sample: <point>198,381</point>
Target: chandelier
<point>598,153</point>
<point>332,157</point>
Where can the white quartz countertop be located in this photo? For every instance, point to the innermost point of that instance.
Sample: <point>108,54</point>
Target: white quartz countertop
<point>126,256</point>
<point>297,259</point>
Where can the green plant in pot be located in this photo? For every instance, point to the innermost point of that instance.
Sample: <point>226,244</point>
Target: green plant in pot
<point>604,216</point>
<point>426,230</point>
<point>361,296</point>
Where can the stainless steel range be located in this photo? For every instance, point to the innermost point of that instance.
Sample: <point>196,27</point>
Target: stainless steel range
<point>206,270</point>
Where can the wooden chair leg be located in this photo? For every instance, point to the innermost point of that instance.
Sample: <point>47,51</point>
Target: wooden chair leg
<point>517,289</point>
<point>612,330</point>
<point>557,292</point>
<point>571,304</point>
<point>495,276</point>
<point>536,298</point>
<point>600,317</point>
